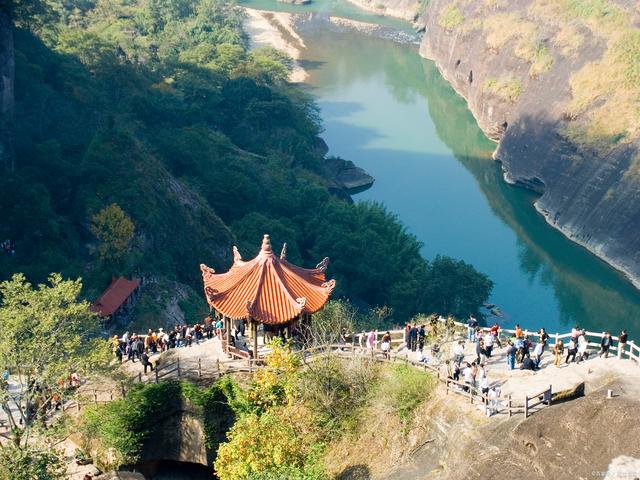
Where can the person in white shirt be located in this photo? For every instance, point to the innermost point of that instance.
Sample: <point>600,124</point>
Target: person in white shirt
<point>583,345</point>
<point>537,353</point>
<point>458,352</point>
<point>488,344</point>
<point>469,376</point>
<point>483,380</point>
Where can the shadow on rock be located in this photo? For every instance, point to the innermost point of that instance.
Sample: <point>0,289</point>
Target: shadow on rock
<point>355,472</point>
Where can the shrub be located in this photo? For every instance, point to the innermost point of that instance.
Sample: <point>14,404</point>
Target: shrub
<point>266,447</point>
<point>403,388</point>
<point>451,17</point>
<point>508,89</point>
<point>31,462</point>
<point>334,389</point>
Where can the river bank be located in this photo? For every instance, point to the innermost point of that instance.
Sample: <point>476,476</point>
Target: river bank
<point>274,29</point>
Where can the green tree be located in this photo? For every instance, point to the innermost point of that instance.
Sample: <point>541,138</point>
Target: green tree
<point>454,287</point>
<point>115,230</point>
<point>30,463</point>
<point>47,334</point>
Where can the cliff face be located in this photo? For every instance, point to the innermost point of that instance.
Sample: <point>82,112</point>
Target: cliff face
<point>548,89</point>
<point>557,85</point>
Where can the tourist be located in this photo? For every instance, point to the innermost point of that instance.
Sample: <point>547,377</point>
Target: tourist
<point>458,352</point>
<point>407,337</point>
<point>413,337</point>
<point>544,338</point>
<point>575,333</point>
<point>518,331</point>
<point>526,346</point>
<point>472,323</point>
<point>558,351</point>
<point>145,362</point>
<point>622,342</point>
<point>421,357</point>
<point>527,364</point>
<point>385,345</point>
<point>520,353</point>
<point>488,344</point>
<point>469,376</point>
<point>537,353</point>
<point>371,340</point>
<point>572,350</point>
<point>495,332</point>
<point>422,333</point>
<point>605,344</point>
<point>362,339</point>
<point>494,402</point>
<point>583,345</point>
<point>511,355</point>
<point>455,372</point>
<point>483,380</point>
<point>447,370</point>
<point>479,349</point>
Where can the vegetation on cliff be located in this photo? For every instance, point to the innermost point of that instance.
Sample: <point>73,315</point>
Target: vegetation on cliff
<point>156,113</point>
<point>292,411</point>
<point>604,106</point>
<point>48,335</point>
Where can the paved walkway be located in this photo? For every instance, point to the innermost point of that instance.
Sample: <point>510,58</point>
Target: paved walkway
<point>595,372</point>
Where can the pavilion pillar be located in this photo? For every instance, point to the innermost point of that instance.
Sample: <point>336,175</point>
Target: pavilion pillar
<point>254,337</point>
<point>227,332</point>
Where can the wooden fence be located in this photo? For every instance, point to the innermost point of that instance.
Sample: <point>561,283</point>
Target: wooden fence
<point>196,370</point>
<point>630,350</point>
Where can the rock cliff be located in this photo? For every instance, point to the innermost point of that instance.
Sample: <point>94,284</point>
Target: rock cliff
<point>555,84</point>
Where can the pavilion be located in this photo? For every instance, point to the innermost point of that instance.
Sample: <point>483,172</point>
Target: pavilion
<point>267,290</point>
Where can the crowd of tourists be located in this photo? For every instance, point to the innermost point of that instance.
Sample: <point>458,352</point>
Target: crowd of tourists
<point>521,351</point>
<point>133,346</point>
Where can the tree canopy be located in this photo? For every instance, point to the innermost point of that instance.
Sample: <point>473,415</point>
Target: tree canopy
<point>160,108</point>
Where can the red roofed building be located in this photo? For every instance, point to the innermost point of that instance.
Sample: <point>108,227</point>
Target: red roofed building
<point>267,290</point>
<point>115,296</point>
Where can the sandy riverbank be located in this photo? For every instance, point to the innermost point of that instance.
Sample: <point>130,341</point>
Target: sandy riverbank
<point>275,29</point>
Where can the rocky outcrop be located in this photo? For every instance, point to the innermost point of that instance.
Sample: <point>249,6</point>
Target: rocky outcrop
<point>406,9</point>
<point>552,85</point>
<point>345,175</point>
<point>558,438</point>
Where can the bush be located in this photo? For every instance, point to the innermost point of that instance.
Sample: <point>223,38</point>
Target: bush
<point>403,388</point>
<point>508,89</point>
<point>30,463</point>
<point>266,447</point>
<point>334,389</point>
<point>451,18</point>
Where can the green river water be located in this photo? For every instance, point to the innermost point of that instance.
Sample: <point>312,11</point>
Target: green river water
<point>392,113</point>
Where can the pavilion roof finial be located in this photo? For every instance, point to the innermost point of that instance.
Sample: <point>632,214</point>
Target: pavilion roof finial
<point>236,255</point>
<point>266,244</point>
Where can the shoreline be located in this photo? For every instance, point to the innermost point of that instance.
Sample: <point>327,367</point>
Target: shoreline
<point>275,29</point>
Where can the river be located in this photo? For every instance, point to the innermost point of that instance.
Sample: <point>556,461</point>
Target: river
<point>392,113</point>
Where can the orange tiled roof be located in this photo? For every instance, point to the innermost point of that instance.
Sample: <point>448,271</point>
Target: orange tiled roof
<point>114,296</point>
<point>267,288</point>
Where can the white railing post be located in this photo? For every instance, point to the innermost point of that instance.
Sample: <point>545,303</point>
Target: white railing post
<point>632,345</point>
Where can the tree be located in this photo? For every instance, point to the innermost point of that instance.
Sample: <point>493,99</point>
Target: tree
<point>29,462</point>
<point>115,230</point>
<point>455,287</point>
<point>47,334</point>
